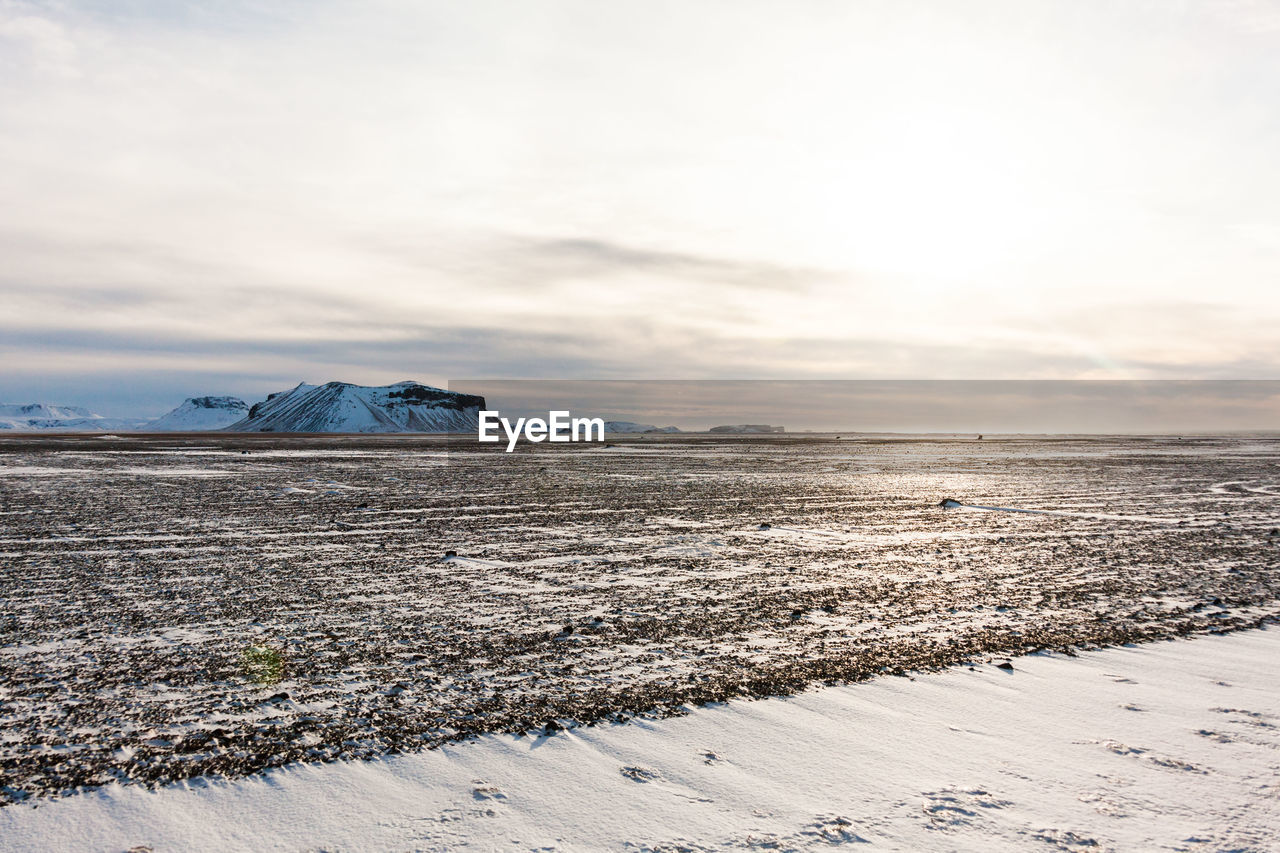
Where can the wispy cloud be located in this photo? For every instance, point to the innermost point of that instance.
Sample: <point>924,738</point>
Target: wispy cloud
<point>594,258</point>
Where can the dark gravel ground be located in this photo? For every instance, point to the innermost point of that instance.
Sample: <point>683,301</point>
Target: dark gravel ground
<point>175,606</point>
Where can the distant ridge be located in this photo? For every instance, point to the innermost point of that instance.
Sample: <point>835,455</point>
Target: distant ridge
<point>39,417</point>
<point>343,407</point>
<point>631,426</point>
<point>747,429</point>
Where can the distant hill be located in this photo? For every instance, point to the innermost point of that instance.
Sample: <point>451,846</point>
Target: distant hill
<point>342,407</point>
<point>629,426</point>
<point>201,413</point>
<point>747,429</point>
<point>33,417</point>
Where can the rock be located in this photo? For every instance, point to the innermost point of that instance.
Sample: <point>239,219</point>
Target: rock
<point>1005,665</point>
<point>448,554</point>
<point>948,503</point>
<point>765,526</point>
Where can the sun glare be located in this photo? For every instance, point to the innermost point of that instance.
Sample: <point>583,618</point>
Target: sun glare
<point>945,197</point>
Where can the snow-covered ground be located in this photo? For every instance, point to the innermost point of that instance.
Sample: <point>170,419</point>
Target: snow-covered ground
<point>141,577</point>
<point>1166,746</point>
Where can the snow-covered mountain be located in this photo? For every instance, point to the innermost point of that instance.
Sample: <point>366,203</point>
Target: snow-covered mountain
<point>44,416</point>
<point>44,412</point>
<point>342,407</point>
<point>201,413</point>
<point>631,426</point>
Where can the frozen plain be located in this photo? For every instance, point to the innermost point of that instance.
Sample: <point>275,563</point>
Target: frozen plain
<point>589,585</point>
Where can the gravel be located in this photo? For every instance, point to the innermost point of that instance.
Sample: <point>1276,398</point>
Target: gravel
<point>581,584</point>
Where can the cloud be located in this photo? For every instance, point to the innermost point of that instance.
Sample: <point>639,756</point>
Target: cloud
<point>47,46</point>
<point>1259,17</point>
<point>377,190</point>
<point>594,258</point>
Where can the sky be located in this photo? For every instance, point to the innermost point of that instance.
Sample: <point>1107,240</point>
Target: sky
<point>233,197</point>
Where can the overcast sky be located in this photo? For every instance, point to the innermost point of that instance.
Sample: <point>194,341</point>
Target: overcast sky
<point>233,197</point>
<point>949,406</point>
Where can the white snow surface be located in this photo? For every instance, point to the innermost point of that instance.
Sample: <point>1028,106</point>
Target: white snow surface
<point>201,413</point>
<point>1170,746</point>
<point>342,407</point>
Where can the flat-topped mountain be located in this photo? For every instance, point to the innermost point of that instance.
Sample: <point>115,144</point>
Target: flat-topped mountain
<point>342,407</point>
<point>201,413</point>
<point>747,429</point>
<point>630,426</point>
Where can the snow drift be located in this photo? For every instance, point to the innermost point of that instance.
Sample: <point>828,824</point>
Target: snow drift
<point>1166,746</point>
